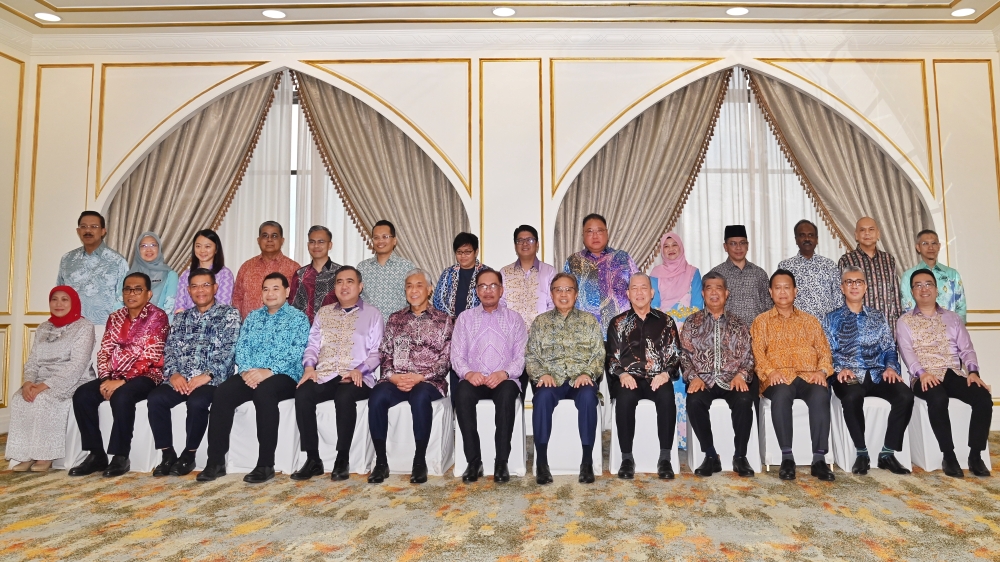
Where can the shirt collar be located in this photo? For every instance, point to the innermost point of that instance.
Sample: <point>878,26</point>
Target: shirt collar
<point>588,254</point>
<point>534,266</point>
<point>360,305</point>
<point>937,309</point>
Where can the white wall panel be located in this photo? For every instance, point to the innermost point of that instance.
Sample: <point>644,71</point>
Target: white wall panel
<point>11,105</point>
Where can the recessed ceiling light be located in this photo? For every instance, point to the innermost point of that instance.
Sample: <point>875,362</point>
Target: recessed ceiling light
<point>45,16</point>
<point>273,14</point>
<point>962,12</point>
<point>503,12</point>
<point>737,11</point>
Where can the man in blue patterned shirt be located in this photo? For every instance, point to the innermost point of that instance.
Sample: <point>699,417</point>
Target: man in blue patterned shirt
<point>198,357</point>
<point>865,363</point>
<point>817,277</point>
<point>94,270</point>
<point>951,291</point>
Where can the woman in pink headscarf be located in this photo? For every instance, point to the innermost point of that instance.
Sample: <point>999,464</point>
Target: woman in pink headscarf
<point>676,283</point>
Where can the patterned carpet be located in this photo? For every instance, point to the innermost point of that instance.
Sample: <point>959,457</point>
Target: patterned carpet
<point>876,517</point>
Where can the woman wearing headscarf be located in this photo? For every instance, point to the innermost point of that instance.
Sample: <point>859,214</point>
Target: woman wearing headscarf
<point>57,364</point>
<point>148,259</point>
<point>677,291</point>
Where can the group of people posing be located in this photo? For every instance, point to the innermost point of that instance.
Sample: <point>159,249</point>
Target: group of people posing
<point>384,332</point>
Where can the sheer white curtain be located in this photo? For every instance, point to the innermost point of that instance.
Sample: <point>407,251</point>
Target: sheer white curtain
<point>747,180</point>
<point>263,195</point>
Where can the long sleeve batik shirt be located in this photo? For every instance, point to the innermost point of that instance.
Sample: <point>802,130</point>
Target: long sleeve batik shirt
<point>883,286</point>
<point>641,347</point>
<point>343,339</point>
<point>603,281</point>
<point>248,288</point>
<point>273,341</point>
<point>224,279</point>
<point>446,290</point>
<point>716,350</point>
<point>527,292</point>
<point>133,347</point>
<point>935,343</point>
<point>861,342</point>
<point>97,278</point>
<point>203,343</point>
<point>818,282</point>
<point>385,285</point>
<point>789,347</point>
<point>748,290</point>
<point>487,342</point>
<point>951,291</point>
<point>565,347</point>
<point>418,343</point>
<point>310,290</point>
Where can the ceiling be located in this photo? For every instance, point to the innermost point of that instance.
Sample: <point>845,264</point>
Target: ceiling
<point>119,14</point>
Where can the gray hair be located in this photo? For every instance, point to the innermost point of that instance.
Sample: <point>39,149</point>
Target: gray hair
<point>418,271</point>
<point>320,228</point>
<point>850,269</point>
<point>640,274</point>
<point>715,275</point>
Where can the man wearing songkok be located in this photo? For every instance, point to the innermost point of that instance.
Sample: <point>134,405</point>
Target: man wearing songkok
<point>340,363</point>
<point>747,282</point>
<point>951,291</point>
<point>129,366</point>
<point>793,361</point>
<point>198,358</point>
<point>879,268</point>
<point>565,360</point>
<point>643,358</point>
<point>818,277</point>
<point>717,362</point>
<point>602,272</point>
<point>865,364</point>
<point>415,354</point>
<point>385,274</point>
<point>312,284</point>
<point>938,351</point>
<point>246,291</point>
<point>456,288</point>
<point>269,363</point>
<point>487,352</point>
<point>526,281</point>
<point>94,270</point>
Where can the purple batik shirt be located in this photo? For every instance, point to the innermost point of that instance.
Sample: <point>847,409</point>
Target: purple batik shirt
<point>342,340</point>
<point>487,342</point>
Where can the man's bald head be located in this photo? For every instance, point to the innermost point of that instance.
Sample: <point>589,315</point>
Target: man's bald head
<point>867,234</point>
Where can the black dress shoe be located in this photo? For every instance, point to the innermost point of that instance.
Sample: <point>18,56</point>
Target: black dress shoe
<point>500,472</point>
<point>664,471</point>
<point>211,472</point>
<point>184,465</point>
<point>627,470</point>
<point>418,474</point>
<point>889,462</point>
<point>787,470</point>
<point>313,467</point>
<point>709,466</point>
<point>167,460</point>
<point>586,473</point>
<point>259,475</point>
<point>119,465</point>
<point>341,470</point>
<point>95,462</point>
<point>741,466</point>
<point>861,465</point>
<point>978,467</point>
<point>952,468</point>
<point>542,474</point>
<point>379,474</point>
<point>473,472</point>
<point>822,471</point>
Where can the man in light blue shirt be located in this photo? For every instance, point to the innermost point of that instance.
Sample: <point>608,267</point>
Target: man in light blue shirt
<point>94,270</point>
<point>951,292</point>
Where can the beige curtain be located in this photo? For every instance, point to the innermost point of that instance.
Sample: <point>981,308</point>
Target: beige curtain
<point>380,173</point>
<point>846,172</point>
<point>639,180</point>
<point>187,182</point>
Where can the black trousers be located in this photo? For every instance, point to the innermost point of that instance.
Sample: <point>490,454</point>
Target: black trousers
<point>231,395</point>
<point>626,402</point>
<point>957,386</point>
<point>816,397</point>
<point>852,396</point>
<point>504,398</point>
<point>345,397</point>
<point>87,399</point>
<point>741,405</point>
<point>163,398</point>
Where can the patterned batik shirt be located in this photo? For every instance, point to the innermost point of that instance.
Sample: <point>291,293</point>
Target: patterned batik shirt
<point>385,285</point>
<point>487,342</point>
<point>951,291</point>
<point>133,348</point>
<point>343,339</point>
<point>818,284</point>
<point>716,350</point>
<point>935,344</point>
<point>861,342</point>
<point>603,281</point>
<point>527,292</point>
<point>789,347</point>
<point>97,278</point>
<point>418,344</point>
<point>309,290</point>
<point>748,290</point>
<point>447,288</point>
<point>247,293</point>
<point>273,341</point>
<point>883,287</point>
<point>565,347</point>
<point>643,348</point>
<point>203,343</point>
<point>223,278</point>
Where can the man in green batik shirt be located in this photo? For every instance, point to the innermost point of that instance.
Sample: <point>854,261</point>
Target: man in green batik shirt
<point>951,292</point>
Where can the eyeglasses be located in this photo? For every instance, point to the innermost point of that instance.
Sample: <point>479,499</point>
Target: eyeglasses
<point>525,241</point>
<point>926,244</point>
<point>465,252</point>
<point>491,286</point>
<point>593,231</point>
<point>272,236</point>
<point>740,244</point>
<point>383,237</point>
<point>133,290</point>
<point>144,246</point>
<point>925,285</point>
<point>563,289</point>
<point>855,282</point>
<point>201,286</point>
<point>89,227</point>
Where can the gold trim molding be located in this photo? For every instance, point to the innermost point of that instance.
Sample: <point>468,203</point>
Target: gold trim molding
<point>14,186</point>
<point>26,343</point>
<point>5,382</point>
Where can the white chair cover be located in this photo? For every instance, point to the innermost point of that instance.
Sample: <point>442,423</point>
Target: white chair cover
<point>876,422</point>
<point>723,434</point>
<point>607,411</point>
<point>143,456</point>
<point>925,450</point>
<point>243,445</point>
<point>801,439</point>
<point>645,446</point>
<point>440,449</point>
<point>486,426</point>
<point>565,448</point>
<point>362,453</point>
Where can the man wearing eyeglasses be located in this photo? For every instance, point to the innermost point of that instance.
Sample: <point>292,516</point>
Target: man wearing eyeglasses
<point>487,353</point>
<point>951,292</point>
<point>749,295</point>
<point>601,272</point>
<point>385,274</point>
<point>312,284</point>
<point>879,268</point>
<point>943,364</point>
<point>246,290</point>
<point>94,270</point>
<point>865,363</point>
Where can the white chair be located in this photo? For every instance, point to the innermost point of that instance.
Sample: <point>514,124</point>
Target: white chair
<point>723,435</point>
<point>178,428</point>
<point>645,446</point>
<point>143,456</point>
<point>486,427</point>
<point>243,444</point>
<point>607,409</point>
<point>925,450</point>
<point>801,437</point>
<point>565,448</point>
<point>362,453</point>
<point>876,412</point>
<point>400,447</point>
